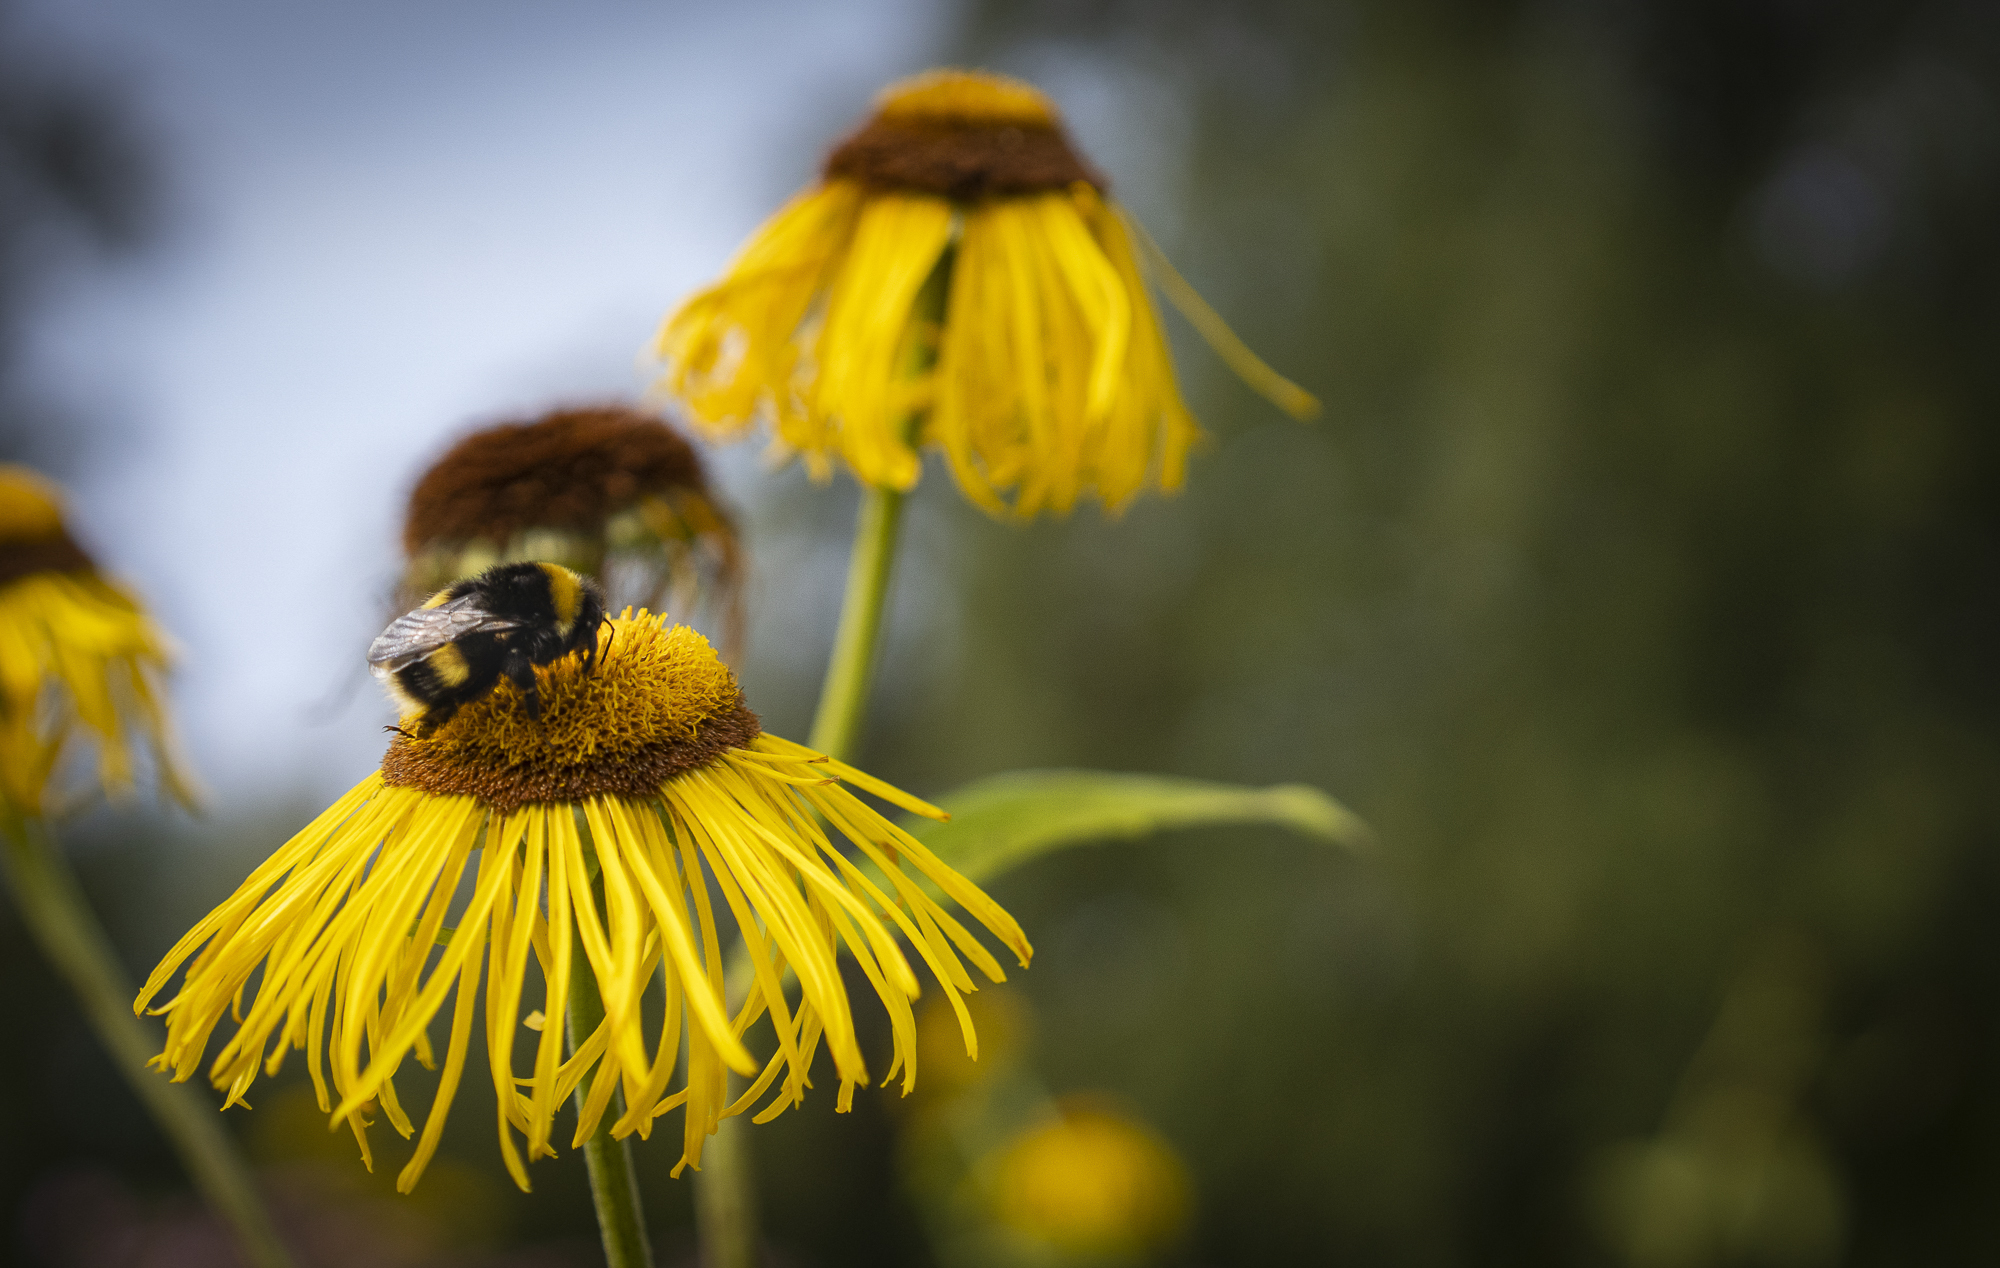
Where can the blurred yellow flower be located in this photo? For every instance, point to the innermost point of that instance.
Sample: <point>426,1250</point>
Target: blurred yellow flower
<point>958,262</point>
<point>1091,1183</point>
<point>78,657</point>
<point>594,830</point>
<point>1005,1027</point>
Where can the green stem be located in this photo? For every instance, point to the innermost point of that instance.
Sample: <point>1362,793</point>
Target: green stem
<point>60,919</point>
<point>614,1185</point>
<point>725,1197</point>
<point>725,1201</point>
<point>843,701</point>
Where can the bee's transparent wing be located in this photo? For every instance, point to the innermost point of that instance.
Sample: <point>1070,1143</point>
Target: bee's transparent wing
<point>416,634</point>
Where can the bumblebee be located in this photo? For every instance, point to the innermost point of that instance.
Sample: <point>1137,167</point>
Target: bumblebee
<point>468,636</point>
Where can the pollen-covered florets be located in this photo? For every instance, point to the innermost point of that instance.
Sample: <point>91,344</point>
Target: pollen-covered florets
<point>657,702</point>
<point>951,95</point>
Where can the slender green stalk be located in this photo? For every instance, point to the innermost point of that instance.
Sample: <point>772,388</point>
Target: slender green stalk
<point>614,1185</point>
<point>725,1211</point>
<point>725,1197</point>
<point>60,919</point>
<point>843,701</point>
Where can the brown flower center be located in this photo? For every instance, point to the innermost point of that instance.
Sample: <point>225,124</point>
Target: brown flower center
<point>50,554</point>
<point>963,136</point>
<point>571,470</point>
<point>32,536</point>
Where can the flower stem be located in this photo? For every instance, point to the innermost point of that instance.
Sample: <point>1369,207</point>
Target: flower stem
<point>614,1185</point>
<point>843,701</point>
<point>725,1212</point>
<point>725,1195</point>
<point>60,919</point>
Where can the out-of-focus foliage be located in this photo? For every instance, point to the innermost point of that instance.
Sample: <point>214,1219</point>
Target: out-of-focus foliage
<point>1638,587</point>
<point>1004,821</point>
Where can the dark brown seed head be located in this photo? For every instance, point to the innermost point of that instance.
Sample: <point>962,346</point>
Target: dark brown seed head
<point>965,136</point>
<point>569,470</point>
<point>32,535</point>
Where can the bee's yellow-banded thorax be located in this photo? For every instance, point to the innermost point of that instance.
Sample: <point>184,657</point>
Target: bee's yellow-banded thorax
<point>565,595</point>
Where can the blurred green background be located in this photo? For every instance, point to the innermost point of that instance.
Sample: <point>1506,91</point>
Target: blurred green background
<point>1640,585</point>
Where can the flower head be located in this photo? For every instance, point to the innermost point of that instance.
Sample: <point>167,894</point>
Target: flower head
<point>1090,1183</point>
<point>591,837</point>
<point>956,278</point>
<point>79,658</point>
<point>610,491</point>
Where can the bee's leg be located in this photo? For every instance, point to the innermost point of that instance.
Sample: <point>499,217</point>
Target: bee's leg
<point>521,671</point>
<point>434,717</point>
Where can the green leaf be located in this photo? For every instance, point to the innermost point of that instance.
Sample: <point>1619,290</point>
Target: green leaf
<point>1003,821</point>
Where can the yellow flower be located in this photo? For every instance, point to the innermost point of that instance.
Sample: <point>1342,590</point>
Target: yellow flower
<point>588,837</point>
<point>1005,1026</point>
<point>78,657</point>
<point>607,490</point>
<point>1091,1183</point>
<point>958,262</point>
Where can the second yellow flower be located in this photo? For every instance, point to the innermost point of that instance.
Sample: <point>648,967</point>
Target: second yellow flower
<point>956,278</point>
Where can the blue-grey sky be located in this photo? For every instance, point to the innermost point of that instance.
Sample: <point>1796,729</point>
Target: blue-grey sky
<point>387,220</point>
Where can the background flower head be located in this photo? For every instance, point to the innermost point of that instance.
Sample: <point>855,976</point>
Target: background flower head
<point>1090,1183</point>
<point>80,660</point>
<point>607,490</point>
<point>957,278</point>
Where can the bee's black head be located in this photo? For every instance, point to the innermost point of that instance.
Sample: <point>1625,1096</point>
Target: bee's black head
<point>590,614</point>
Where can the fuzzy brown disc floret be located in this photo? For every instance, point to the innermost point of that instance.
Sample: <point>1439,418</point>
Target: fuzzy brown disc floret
<point>965,136</point>
<point>570,469</point>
